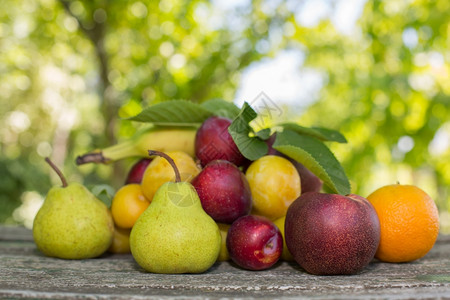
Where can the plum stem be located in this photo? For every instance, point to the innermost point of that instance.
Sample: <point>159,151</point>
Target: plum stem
<point>170,160</point>
<point>58,171</point>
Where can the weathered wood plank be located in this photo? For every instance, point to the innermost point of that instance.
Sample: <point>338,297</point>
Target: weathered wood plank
<point>26,273</point>
<point>15,233</point>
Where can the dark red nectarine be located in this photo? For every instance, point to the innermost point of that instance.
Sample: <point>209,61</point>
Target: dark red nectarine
<point>136,171</point>
<point>213,141</point>
<point>223,191</point>
<point>331,234</point>
<point>254,242</point>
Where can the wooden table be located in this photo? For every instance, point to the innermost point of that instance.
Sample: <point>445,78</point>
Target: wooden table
<point>26,273</point>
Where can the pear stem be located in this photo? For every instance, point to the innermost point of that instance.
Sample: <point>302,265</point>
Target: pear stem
<point>58,171</point>
<point>170,160</point>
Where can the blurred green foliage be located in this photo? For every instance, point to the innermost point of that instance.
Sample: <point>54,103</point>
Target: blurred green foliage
<point>70,70</point>
<point>388,91</point>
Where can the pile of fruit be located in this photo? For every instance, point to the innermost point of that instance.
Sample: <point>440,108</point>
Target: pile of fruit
<point>221,191</point>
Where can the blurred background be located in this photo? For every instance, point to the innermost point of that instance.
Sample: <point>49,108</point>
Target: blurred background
<point>71,71</point>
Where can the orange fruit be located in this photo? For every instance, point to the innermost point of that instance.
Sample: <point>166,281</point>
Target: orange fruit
<point>128,204</point>
<point>409,222</point>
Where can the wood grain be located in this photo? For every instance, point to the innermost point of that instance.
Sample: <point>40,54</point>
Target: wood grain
<point>26,273</point>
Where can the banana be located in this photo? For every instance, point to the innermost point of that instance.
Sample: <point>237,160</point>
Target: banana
<point>156,138</point>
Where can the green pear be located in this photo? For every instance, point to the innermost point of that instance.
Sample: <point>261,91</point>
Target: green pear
<point>174,234</point>
<point>72,223</point>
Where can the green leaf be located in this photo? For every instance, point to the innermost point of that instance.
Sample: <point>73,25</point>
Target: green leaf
<point>320,133</point>
<point>104,192</point>
<point>263,134</point>
<point>221,108</point>
<point>251,147</point>
<point>315,156</point>
<point>174,113</point>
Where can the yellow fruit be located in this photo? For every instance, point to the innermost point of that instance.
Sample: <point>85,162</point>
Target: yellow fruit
<point>154,138</point>
<point>274,184</point>
<point>128,204</point>
<point>159,171</point>
<point>121,241</point>
<point>409,222</point>
<point>223,255</point>
<point>286,255</point>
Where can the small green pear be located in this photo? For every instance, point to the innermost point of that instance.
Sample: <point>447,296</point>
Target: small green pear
<point>174,234</point>
<point>72,223</point>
